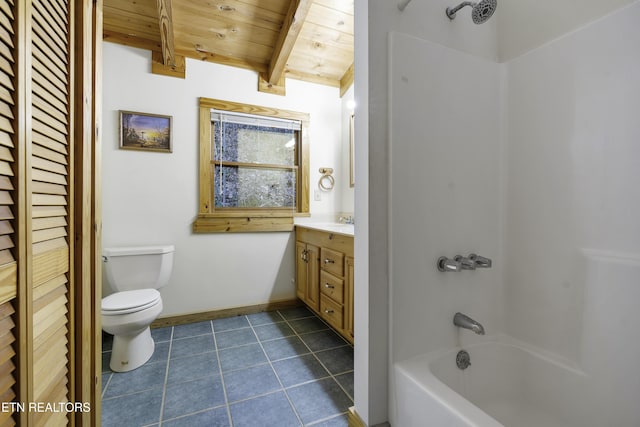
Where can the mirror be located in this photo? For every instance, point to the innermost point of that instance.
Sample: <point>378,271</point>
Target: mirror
<point>351,152</point>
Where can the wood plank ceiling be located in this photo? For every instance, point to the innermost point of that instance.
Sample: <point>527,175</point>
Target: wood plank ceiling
<point>310,40</point>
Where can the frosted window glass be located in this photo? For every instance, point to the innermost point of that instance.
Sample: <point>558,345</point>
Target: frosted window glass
<point>246,187</point>
<point>243,143</point>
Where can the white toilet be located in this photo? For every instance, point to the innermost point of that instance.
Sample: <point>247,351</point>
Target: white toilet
<point>133,275</point>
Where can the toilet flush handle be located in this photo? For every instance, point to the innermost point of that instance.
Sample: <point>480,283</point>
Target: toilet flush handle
<point>105,259</point>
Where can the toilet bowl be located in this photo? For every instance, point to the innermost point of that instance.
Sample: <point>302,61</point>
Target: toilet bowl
<point>133,276</point>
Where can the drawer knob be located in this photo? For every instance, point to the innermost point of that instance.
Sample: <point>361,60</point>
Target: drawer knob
<point>328,286</point>
<point>329,261</point>
<point>328,311</point>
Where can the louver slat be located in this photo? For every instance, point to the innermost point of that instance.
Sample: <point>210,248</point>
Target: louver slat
<point>8,266</point>
<point>49,199</point>
<point>7,367</point>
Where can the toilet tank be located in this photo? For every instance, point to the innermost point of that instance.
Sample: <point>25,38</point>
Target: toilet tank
<point>137,267</point>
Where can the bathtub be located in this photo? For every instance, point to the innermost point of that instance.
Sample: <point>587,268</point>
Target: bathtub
<point>508,384</point>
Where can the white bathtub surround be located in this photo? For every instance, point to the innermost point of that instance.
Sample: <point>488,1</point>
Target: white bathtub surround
<point>533,163</point>
<point>445,192</point>
<point>573,173</point>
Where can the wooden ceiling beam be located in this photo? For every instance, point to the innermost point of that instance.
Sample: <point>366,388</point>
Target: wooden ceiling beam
<point>347,80</point>
<point>166,33</point>
<point>298,10</point>
<point>129,40</point>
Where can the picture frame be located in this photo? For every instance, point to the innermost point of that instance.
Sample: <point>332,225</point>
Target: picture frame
<point>145,132</point>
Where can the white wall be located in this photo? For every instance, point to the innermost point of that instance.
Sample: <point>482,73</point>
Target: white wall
<point>151,198</point>
<point>573,200</point>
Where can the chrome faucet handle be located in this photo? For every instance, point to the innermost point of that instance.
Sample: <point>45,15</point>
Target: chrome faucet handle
<point>465,262</point>
<point>347,220</point>
<point>448,265</point>
<point>480,261</point>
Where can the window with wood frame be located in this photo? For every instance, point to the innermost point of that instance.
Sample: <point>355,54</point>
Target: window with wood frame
<point>254,167</point>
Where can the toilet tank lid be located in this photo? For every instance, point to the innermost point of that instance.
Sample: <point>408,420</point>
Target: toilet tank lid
<point>137,250</point>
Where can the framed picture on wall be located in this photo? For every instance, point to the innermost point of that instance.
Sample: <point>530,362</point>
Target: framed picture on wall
<point>146,132</point>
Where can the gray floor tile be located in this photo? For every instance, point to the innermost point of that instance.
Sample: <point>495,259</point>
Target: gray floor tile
<point>337,360</point>
<point>235,337</point>
<point>106,358</point>
<point>346,381</point>
<point>192,330</point>
<point>194,393</point>
<point>189,368</point>
<point>241,357</point>
<point>309,324</point>
<point>298,370</point>
<point>137,409</point>
<point>161,334</point>
<point>191,346</point>
<point>285,347</point>
<point>105,380</point>
<point>319,400</point>
<point>265,318</point>
<point>340,421</point>
<point>146,377</point>
<point>229,323</point>
<point>273,331</point>
<point>160,352</point>
<point>322,340</point>
<point>245,383</point>
<point>193,396</point>
<point>265,411</point>
<point>296,313</point>
<point>217,417</point>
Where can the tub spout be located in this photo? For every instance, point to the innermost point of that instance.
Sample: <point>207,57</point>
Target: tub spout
<point>464,321</point>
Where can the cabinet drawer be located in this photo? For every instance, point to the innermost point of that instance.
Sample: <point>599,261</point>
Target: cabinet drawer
<point>332,261</point>
<point>331,286</point>
<point>331,311</point>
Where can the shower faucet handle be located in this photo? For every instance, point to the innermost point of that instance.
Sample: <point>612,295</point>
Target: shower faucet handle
<point>465,262</point>
<point>448,265</point>
<point>480,261</point>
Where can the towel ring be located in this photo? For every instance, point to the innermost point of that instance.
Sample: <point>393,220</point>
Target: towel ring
<point>326,181</point>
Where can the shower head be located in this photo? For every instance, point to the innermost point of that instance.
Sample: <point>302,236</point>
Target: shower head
<point>481,12</point>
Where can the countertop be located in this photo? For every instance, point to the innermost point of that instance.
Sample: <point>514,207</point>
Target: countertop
<point>330,227</point>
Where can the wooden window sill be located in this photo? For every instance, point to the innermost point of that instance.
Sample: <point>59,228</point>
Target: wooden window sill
<point>221,223</point>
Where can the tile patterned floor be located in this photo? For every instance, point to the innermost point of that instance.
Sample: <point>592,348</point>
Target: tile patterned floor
<point>275,369</point>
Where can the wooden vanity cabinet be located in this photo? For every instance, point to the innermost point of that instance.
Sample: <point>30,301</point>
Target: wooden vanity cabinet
<point>324,276</point>
<point>307,274</point>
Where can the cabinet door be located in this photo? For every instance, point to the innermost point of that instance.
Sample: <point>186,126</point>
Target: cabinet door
<point>348,297</point>
<point>301,271</point>
<point>313,277</point>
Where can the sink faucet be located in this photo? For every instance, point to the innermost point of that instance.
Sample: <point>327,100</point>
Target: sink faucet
<point>464,321</point>
<point>347,219</point>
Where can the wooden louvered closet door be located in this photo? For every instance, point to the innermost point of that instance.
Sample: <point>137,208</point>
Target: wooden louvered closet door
<point>8,235</point>
<point>50,216</point>
<point>49,211</point>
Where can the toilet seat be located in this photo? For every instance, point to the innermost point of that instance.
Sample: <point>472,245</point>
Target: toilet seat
<point>129,301</point>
